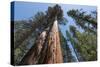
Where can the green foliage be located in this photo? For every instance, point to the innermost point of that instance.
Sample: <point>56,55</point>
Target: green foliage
<point>73,30</point>
<point>87,46</point>
<point>85,43</point>
<point>88,22</point>
<point>21,31</point>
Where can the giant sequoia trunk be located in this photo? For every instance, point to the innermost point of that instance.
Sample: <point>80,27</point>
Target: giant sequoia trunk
<point>54,54</point>
<point>47,48</point>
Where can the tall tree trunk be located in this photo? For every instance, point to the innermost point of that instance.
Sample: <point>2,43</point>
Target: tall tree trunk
<point>46,50</point>
<point>54,53</point>
<point>33,54</point>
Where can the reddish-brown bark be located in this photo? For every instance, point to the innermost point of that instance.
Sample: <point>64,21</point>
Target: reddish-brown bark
<point>54,54</point>
<point>45,51</point>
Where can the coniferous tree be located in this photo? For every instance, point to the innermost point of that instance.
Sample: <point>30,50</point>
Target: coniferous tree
<point>49,26</point>
<point>84,20</point>
<point>84,44</point>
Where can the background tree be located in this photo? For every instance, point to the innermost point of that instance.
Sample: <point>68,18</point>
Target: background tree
<point>67,56</point>
<point>23,29</point>
<point>86,41</point>
<point>25,34</point>
<point>88,22</point>
<point>87,46</point>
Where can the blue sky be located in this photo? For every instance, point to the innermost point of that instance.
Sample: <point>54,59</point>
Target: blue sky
<point>25,10</point>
